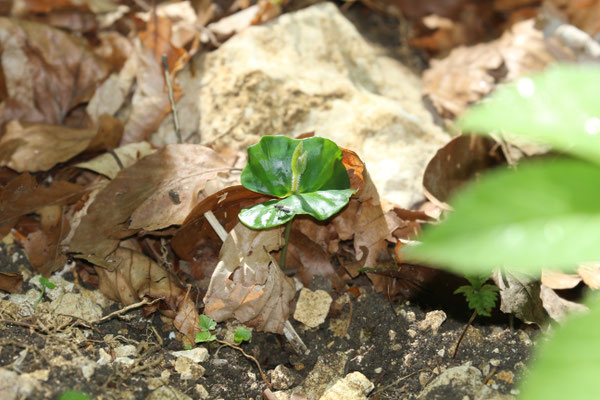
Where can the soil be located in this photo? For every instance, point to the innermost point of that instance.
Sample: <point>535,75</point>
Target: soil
<point>364,332</point>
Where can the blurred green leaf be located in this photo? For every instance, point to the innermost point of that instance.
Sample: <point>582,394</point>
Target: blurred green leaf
<point>558,107</point>
<point>206,323</point>
<point>73,395</point>
<point>568,365</point>
<point>242,334</point>
<point>546,214</point>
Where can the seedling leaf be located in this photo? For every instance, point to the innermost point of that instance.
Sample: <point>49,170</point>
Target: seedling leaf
<point>206,323</point>
<point>205,336</point>
<point>241,335</point>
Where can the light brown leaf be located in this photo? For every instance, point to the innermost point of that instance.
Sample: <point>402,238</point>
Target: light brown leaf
<point>136,276</point>
<point>11,282</point>
<point>590,273</point>
<point>156,192</point>
<point>557,307</point>
<point>47,72</point>
<point>107,165</point>
<point>247,284</point>
<point>559,280</point>
<point>520,295</point>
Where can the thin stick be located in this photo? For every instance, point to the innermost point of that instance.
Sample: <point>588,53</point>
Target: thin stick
<point>216,225</point>
<point>463,333</point>
<point>264,378</point>
<point>165,65</point>
<point>286,237</point>
<point>124,310</point>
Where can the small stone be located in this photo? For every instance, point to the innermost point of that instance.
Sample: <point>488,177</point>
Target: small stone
<point>506,376</point>
<point>125,351</point>
<point>392,335</point>
<point>396,347</point>
<point>38,375</point>
<point>411,332</point>
<point>525,339</point>
<point>188,369</point>
<point>433,320</point>
<point>124,360</point>
<point>201,392</point>
<point>441,352</point>
<point>77,305</point>
<point>410,317</point>
<point>496,350</point>
<point>167,393</point>
<point>355,386</point>
<point>281,377</point>
<point>155,383</point>
<point>494,362</point>
<point>312,307</point>
<point>105,358</point>
<point>424,378</point>
<point>197,355</point>
<point>378,370</point>
<point>408,360</point>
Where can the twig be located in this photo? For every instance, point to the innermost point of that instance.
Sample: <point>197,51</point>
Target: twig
<point>264,378</point>
<point>463,333</point>
<point>124,310</point>
<point>286,237</point>
<point>216,225</point>
<point>165,65</point>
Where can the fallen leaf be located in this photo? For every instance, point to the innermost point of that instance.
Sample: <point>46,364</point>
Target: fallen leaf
<point>158,191</point>
<point>23,196</point>
<point>107,165</point>
<point>557,307</point>
<point>585,14</point>
<point>11,282</point>
<point>247,284</point>
<point>559,280</point>
<point>136,276</point>
<point>590,273</point>
<point>48,87</point>
<point>520,295</point>
<point>459,161</point>
<point>39,147</point>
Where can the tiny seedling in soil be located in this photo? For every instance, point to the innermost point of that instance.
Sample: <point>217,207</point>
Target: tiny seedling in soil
<point>306,175</point>
<point>45,284</point>
<point>207,325</point>
<point>480,298</point>
<point>74,395</point>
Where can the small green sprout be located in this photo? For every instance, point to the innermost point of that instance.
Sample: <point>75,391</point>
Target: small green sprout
<point>45,284</point>
<point>481,298</point>
<point>74,395</point>
<point>206,325</point>
<point>242,335</point>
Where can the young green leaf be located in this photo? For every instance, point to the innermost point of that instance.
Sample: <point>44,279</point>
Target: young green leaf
<point>205,336</point>
<point>546,214</point>
<point>307,174</point>
<point>73,395</point>
<point>46,283</point>
<point>241,335</point>
<point>206,323</point>
<point>568,365</point>
<point>479,297</point>
<point>558,107</point>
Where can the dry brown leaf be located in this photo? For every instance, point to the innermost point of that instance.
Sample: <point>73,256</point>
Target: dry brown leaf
<point>11,282</point>
<point>520,295</point>
<point>136,276</point>
<point>460,160</point>
<point>559,280</point>
<point>469,73</point>
<point>557,307</point>
<point>23,196</point>
<point>248,284</point>
<point>107,165</point>
<point>590,273</point>
<point>158,191</point>
<point>39,147</point>
<point>585,14</point>
<point>60,72</point>
<point>42,246</point>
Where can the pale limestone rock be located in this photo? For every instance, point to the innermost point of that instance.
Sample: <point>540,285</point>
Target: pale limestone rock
<point>197,355</point>
<point>355,386</point>
<point>77,305</point>
<point>432,322</point>
<point>312,307</point>
<point>288,77</point>
<point>167,393</point>
<point>188,369</point>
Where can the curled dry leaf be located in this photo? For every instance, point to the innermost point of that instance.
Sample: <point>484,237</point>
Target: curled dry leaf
<point>39,147</point>
<point>460,160</point>
<point>559,280</point>
<point>156,192</point>
<point>557,307</point>
<point>452,87</point>
<point>136,276</point>
<point>248,284</point>
<point>37,66</point>
<point>590,273</point>
<point>520,295</point>
<point>23,196</point>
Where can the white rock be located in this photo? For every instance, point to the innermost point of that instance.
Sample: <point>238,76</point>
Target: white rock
<point>202,392</point>
<point>188,369</point>
<point>433,320</point>
<point>77,305</point>
<point>312,307</point>
<point>289,77</point>
<point>355,386</point>
<point>125,350</point>
<point>197,354</point>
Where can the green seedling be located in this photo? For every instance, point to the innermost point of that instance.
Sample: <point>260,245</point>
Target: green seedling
<point>45,284</point>
<point>74,395</point>
<point>305,175</point>
<point>544,214</point>
<point>207,325</point>
<point>481,298</point>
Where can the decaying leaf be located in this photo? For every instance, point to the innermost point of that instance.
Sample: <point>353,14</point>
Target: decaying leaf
<point>107,165</point>
<point>136,276</point>
<point>248,284</point>
<point>469,73</point>
<point>11,282</point>
<point>590,273</point>
<point>460,160</point>
<point>158,191</point>
<point>39,147</point>
<point>23,196</point>
<point>520,295</point>
<point>559,280</point>
<point>557,307</point>
<point>38,66</point>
